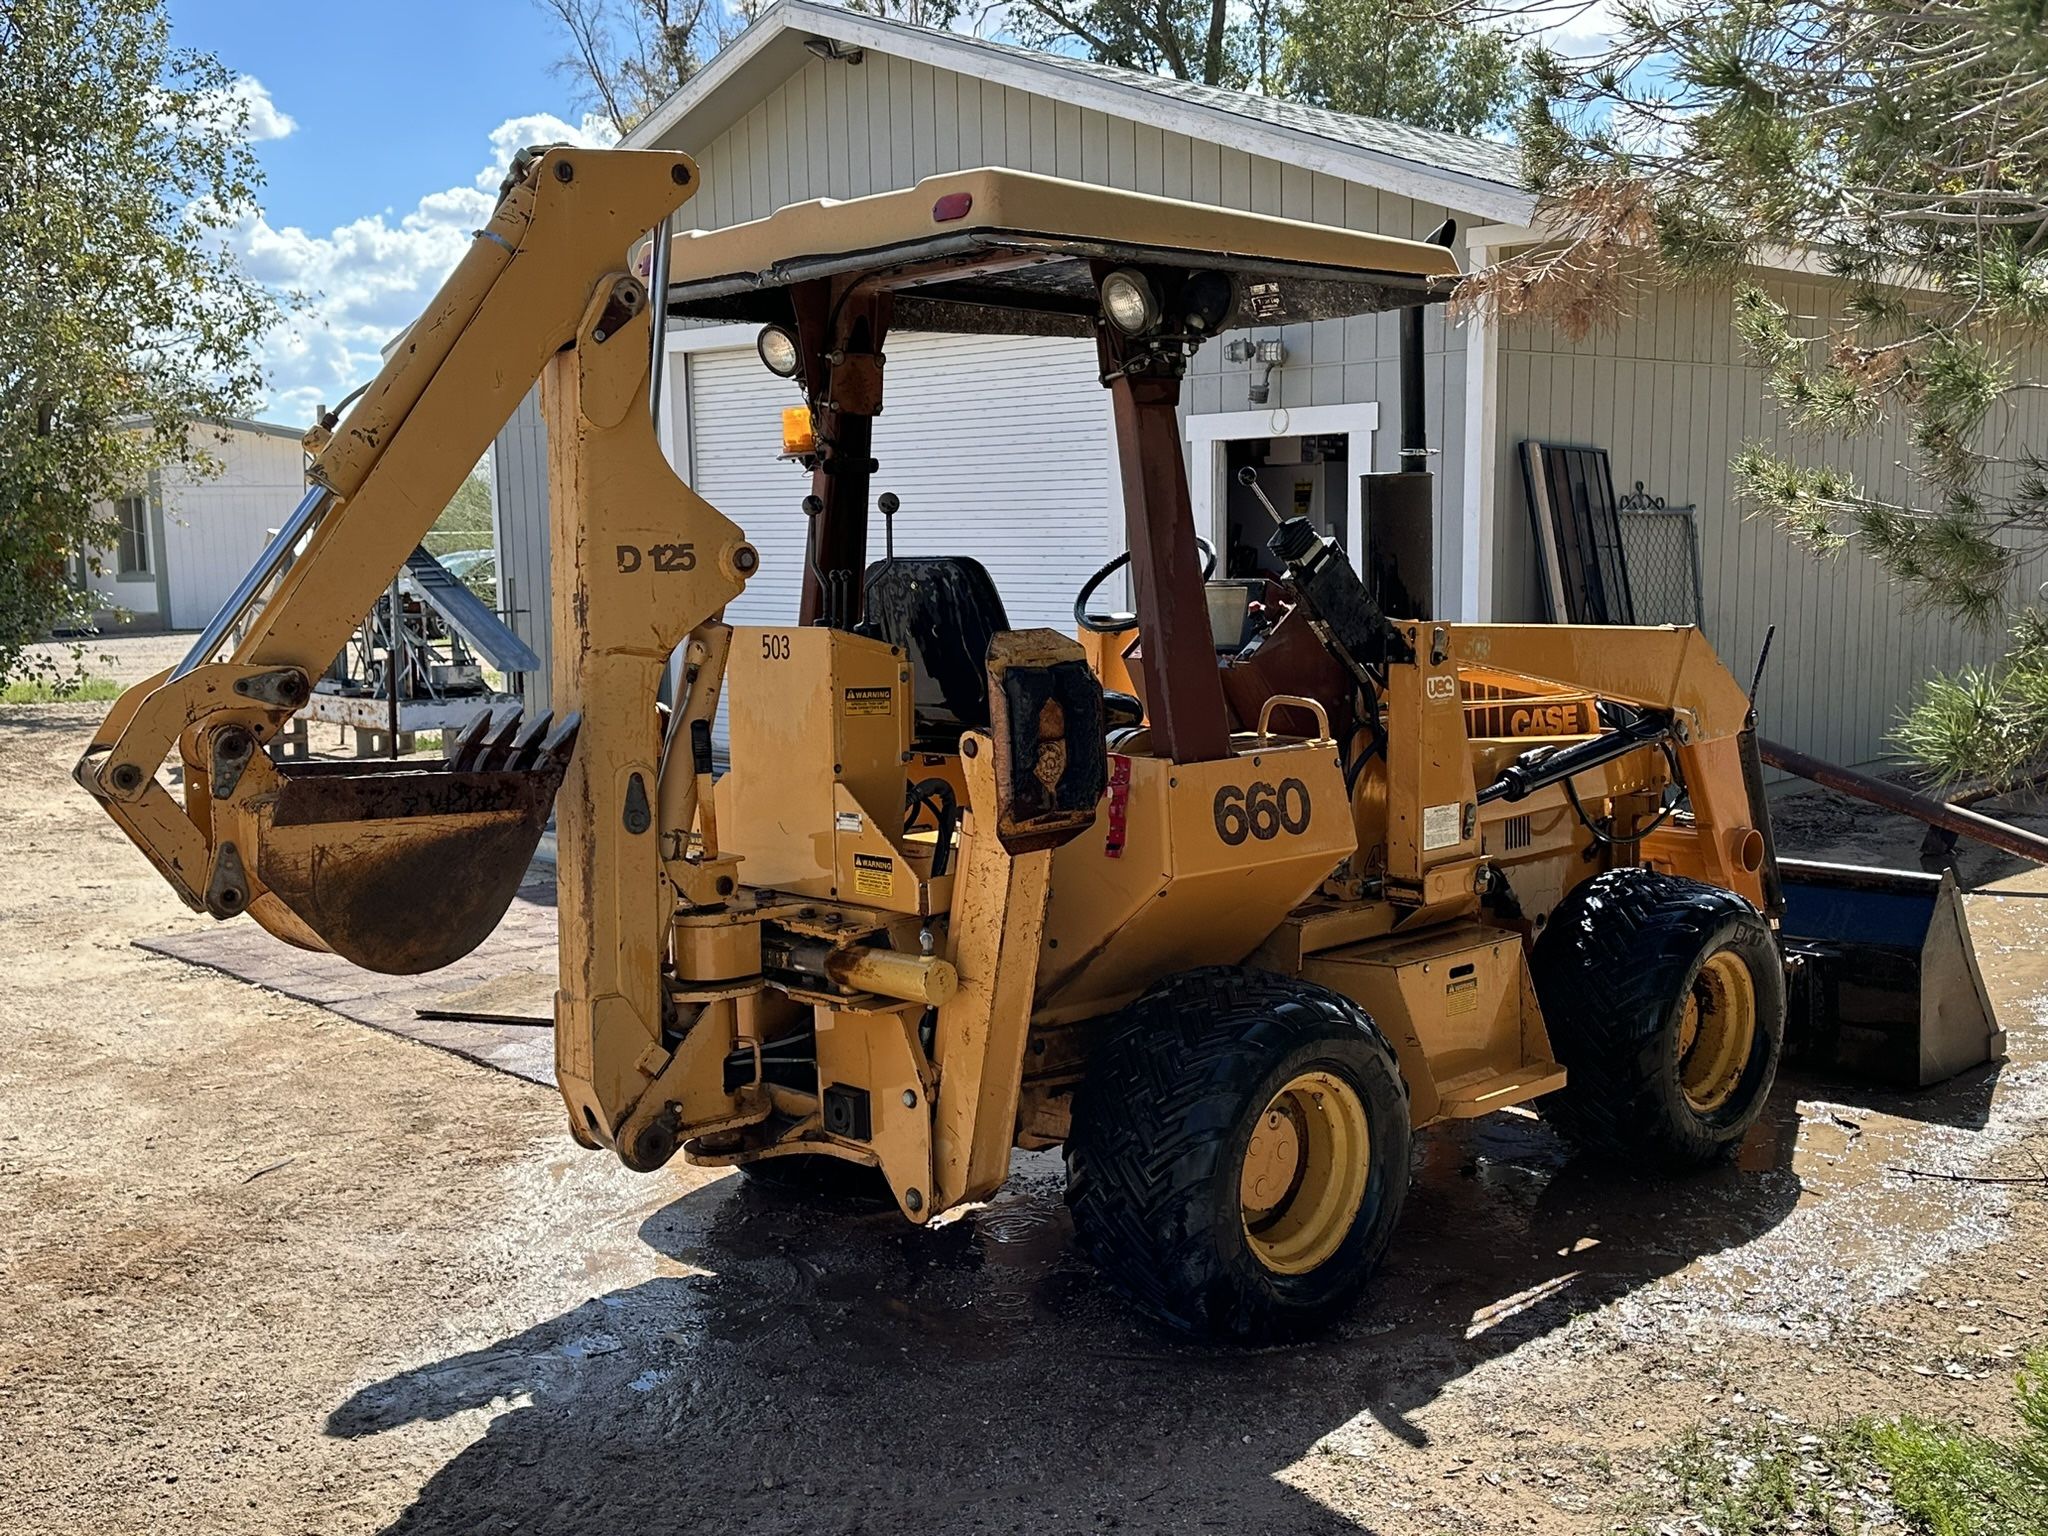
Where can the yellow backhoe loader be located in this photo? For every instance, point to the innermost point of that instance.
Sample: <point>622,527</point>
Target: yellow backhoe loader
<point>1228,896</point>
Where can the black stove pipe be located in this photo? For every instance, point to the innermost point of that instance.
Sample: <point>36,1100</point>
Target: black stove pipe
<point>1414,431</point>
<point>1414,437</point>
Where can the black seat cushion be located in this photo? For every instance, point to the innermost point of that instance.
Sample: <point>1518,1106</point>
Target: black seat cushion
<point>943,610</point>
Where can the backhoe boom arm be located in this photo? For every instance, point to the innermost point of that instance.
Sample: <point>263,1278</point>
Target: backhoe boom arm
<point>404,866</point>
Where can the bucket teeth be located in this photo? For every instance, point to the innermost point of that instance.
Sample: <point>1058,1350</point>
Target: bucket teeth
<point>563,741</point>
<point>462,756</point>
<point>512,748</point>
<point>497,751</point>
<point>526,748</point>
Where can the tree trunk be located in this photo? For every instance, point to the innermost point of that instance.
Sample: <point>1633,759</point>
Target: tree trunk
<point>1212,56</point>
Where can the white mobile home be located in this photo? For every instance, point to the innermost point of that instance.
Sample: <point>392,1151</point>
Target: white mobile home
<point>185,540</point>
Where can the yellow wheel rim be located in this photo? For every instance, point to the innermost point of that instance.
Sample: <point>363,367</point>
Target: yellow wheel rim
<point>1305,1173</point>
<point>1717,1033</point>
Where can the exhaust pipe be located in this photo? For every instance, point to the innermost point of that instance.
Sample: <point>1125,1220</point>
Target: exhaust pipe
<point>1414,435</point>
<point>1414,430</point>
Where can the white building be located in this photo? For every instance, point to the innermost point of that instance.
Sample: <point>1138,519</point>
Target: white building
<point>186,540</point>
<point>1001,450</point>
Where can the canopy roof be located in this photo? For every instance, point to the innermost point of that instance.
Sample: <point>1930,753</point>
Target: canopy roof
<point>1009,252</point>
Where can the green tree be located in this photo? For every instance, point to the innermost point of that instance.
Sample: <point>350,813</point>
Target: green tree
<point>123,315</point>
<point>1196,40</point>
<point>1903,148</point>
<point>940,14</point>
<point>463,529</point>
<point>1430,65</point>
<point>629,56</point>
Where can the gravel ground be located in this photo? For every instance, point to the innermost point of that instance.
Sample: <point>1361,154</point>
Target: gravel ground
<point>271,1271</point>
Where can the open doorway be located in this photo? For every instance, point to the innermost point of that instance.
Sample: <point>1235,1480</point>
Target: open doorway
<point>1307,477</point>
<point>1307,461</point>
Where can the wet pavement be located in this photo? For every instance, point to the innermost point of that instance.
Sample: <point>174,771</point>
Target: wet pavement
<point>768,1364</point>
<point>751,1361</point>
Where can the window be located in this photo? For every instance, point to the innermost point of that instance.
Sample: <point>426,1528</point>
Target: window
<point>133,514</point>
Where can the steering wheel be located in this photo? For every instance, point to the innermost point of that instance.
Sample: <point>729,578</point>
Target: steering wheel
<point>1123,623</point>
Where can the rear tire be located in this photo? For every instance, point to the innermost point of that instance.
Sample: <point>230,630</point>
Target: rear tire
<point>1665,1000</point>
<point>1239,1153</point>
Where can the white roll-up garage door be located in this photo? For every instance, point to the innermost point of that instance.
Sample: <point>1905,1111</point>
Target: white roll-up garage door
<point>998,448</point>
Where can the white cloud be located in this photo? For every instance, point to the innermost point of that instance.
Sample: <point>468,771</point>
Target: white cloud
<point>265,120</point>
<point>1575,29</point>
<point>368,279</point>
<point>248,99</point>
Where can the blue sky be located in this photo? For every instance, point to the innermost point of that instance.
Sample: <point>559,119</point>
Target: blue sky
<point>382,128</point>
<point>391,101</point>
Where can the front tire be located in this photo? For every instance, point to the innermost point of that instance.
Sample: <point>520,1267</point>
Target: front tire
<point>1665,1000</point>
<point>1239,1153</point>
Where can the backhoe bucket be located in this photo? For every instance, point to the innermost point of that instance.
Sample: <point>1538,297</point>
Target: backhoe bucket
<point>1883,976</point>
<point>403,867</point>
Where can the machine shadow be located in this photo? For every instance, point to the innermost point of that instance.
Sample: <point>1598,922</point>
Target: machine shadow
<point>1962,1102</point>
<point>833,1372</point>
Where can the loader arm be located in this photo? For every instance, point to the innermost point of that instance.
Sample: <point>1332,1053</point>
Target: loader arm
<point>1674,671</point>
<point>402,867</point>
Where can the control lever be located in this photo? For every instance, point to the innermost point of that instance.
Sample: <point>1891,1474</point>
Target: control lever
<point>835,588</point>
<point>1339,608</point>
<point>1249,479</point>
<point>888,504</point>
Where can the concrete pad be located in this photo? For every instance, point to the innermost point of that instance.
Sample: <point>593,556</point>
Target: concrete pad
<point>511,972</point>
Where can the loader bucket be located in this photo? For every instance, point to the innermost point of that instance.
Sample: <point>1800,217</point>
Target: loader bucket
<point>405,867</point>
<point>1883,978</point>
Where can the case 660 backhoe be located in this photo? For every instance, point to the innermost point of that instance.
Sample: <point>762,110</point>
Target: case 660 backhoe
<point>1228,901</point>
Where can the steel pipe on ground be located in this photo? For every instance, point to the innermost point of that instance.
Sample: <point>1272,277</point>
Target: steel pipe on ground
<point>1935,813</point>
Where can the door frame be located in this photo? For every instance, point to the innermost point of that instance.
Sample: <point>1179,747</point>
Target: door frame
<point>1208,431</point>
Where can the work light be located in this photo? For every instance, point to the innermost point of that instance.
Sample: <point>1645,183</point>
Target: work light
<point>1129,302</point>
<point>778,351</point>
<point>1207,298</point>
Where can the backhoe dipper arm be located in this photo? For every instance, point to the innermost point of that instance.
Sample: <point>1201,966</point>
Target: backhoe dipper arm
<point>402,866</point>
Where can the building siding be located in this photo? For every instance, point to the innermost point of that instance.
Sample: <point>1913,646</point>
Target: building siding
<point>215,528</point>
<point>838,130</point>
<point>206,531</point>
<point>1668,393</point>
<point>519,530</point>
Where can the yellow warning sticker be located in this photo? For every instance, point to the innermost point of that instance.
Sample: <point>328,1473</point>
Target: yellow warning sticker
<point>870,701</point>
<point>873,875</point>
<point>1461,996</point>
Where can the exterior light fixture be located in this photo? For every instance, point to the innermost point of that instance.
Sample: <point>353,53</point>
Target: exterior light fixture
<point>1129,301</point>
<point>1264,356</point>
<point>833,51</point>
<point>778,351</point>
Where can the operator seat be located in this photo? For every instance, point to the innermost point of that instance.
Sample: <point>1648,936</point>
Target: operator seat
<point>943,610</point>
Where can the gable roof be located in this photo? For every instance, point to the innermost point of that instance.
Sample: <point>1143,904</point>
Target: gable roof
<point>228,424</point>
<point>1467,175</point>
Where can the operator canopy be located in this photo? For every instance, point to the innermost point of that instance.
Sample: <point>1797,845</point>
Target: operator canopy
<point>1000,252</point>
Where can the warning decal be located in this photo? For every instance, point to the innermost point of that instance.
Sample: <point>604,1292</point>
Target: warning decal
<point>870,701</point>
<point>1440,826</point>
<point>873,875</point>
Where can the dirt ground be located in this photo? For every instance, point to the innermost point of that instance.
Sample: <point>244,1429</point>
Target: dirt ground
<point>270,1271</point>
